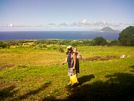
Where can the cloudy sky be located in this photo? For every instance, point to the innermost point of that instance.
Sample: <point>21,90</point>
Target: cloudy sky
<point>65,14</point>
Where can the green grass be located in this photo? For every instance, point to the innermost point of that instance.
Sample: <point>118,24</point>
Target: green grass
<point>37,74</point>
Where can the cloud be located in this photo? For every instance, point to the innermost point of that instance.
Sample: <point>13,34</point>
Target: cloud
<point>52,24</point>
<point>83,24</point>
<point>100,24</point>
<point>84,21</point>
<point>64,24</point>
<point>10,25</point>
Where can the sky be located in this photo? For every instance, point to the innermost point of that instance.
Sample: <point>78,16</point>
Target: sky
<point>65,14</point>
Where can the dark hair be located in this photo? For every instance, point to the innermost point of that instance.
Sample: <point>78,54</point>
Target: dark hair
<point>69,50</point>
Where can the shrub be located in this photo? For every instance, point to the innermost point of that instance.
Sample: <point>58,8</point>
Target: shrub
<point>61,49</point>
<point>3,45</point>
<point>114,42</point>
<point>99,41</point>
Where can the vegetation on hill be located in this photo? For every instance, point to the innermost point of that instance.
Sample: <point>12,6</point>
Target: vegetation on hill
<point>100,41</point>
<point>42,44</point>
<point>126,37</point>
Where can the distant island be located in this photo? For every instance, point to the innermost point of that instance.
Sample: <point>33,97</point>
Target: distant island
<point>108,29</point>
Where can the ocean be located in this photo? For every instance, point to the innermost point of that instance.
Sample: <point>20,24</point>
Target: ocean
<point>66,35</point>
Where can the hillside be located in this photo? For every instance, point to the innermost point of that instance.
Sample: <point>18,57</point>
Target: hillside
<point>108,29</point>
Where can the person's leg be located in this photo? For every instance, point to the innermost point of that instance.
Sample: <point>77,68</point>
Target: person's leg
<point>70,73</point>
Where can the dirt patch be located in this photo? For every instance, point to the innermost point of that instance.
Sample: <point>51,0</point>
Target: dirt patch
<point>6,66</point>
<point>100,58</point>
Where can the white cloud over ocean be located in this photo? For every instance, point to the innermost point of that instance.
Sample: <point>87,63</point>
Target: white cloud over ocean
<point>83,24</point>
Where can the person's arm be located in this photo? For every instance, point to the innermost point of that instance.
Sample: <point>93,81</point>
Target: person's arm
<point>65,61</point>
<point>74,59</point>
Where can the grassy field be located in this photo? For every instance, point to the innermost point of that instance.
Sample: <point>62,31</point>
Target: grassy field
<point>29,74</point>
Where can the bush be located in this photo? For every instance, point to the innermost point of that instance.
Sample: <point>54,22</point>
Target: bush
<point>41,46</point>
<point>3,45</point>
<point>99,41</point>
<point>61,49</point>
<point>114,42</point>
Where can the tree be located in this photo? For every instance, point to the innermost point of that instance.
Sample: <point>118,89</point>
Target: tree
<point>3,45</point>
<point>126,37</point>
<point>99,41</point>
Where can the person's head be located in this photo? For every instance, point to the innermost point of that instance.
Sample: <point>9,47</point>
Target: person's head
<point>69,49</point>
<point>75,50</point>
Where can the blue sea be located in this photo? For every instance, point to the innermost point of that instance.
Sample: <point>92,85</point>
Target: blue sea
<point>66,35</point>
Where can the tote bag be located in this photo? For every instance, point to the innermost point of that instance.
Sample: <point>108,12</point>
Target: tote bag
<point>73,79</point>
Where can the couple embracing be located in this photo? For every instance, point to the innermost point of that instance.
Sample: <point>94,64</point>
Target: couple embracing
<point>73,64</point>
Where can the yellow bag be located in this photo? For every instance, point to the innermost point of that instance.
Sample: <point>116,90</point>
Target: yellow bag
<point>73,79</point>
